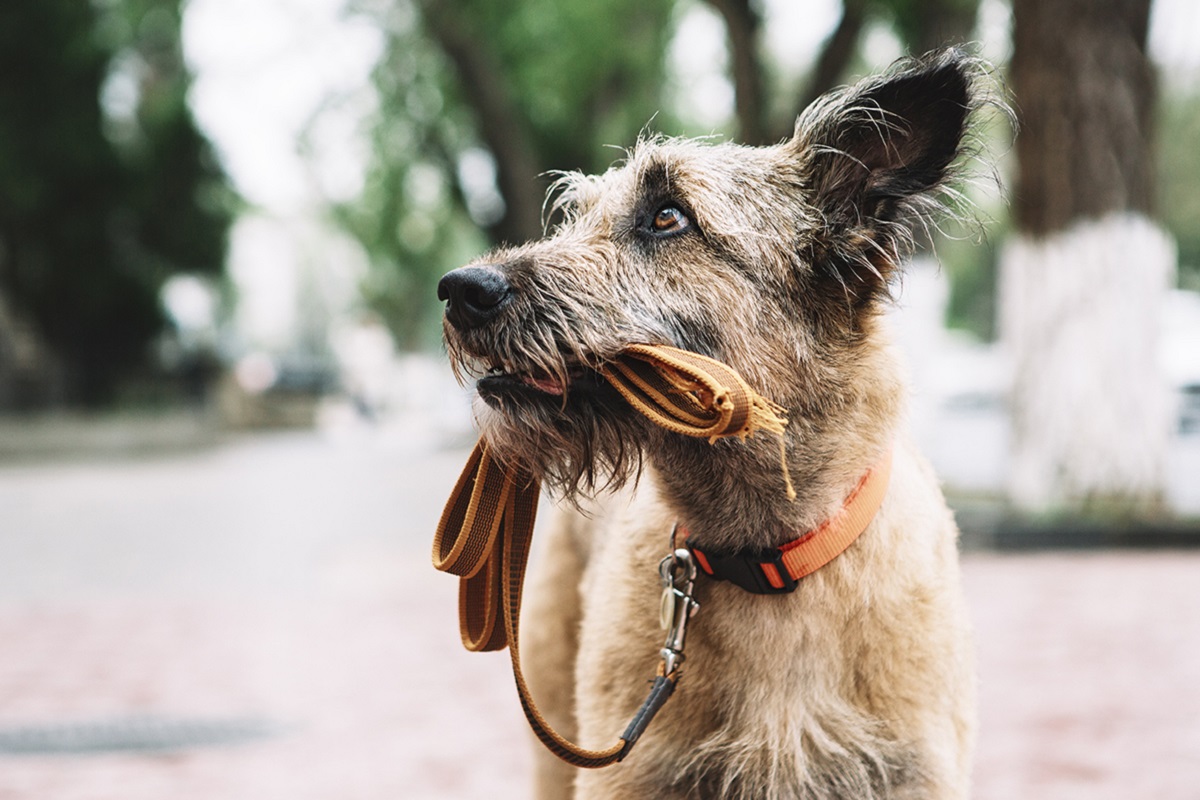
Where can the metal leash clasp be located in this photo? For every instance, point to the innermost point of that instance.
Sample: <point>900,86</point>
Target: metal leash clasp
<point>678,575</point>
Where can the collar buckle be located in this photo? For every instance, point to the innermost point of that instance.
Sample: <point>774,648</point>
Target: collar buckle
<point>758,572</point>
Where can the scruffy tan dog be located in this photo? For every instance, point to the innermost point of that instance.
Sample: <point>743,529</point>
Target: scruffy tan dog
<point>857,681</point>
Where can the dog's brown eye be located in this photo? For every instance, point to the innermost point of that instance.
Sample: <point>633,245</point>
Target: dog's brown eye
<point>670,219</point>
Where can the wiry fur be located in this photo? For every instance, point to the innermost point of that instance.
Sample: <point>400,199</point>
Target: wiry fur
<point>858,684</point>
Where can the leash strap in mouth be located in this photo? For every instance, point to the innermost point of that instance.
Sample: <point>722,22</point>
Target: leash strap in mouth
<point>484,532</point>
<point>691,394</point>
<point>694,395</point>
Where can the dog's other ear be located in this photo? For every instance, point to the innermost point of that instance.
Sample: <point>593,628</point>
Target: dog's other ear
<point>874,155</point>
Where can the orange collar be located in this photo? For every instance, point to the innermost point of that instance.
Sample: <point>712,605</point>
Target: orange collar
<point>778,570</point>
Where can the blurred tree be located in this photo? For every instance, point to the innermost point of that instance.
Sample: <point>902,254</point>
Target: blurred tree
<point>1083,281</point>
<point>922,25</point>
<point>180,204</point>
<point>97,209</point>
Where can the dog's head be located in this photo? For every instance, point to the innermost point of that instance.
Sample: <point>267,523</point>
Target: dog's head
<point>774,260</point>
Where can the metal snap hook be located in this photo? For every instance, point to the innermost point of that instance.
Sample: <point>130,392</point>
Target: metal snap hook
<point>678,576</point>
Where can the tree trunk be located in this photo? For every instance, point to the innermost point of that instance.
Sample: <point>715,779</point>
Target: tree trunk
<point>742,24</point>
<point>499,122</point>
<point>1085,94</point>
<point>1083,281</point>
<point>835,54</point>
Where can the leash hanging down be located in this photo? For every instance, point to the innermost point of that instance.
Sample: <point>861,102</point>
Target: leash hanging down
<point>484,532</point>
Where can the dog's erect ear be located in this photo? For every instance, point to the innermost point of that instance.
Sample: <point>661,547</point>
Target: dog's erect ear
<point>874,154</point>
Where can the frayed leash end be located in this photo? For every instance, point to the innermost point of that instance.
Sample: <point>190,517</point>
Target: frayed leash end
<point>787,475</point>
<point>768,416</point>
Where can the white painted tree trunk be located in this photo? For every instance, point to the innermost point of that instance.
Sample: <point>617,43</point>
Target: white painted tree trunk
<point>1080,318</point>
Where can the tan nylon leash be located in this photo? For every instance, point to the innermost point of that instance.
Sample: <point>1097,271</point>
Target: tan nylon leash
<point>484,532</point>
<point>694,395</point>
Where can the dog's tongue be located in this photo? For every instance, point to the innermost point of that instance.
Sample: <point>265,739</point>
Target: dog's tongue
<point>545,383</point>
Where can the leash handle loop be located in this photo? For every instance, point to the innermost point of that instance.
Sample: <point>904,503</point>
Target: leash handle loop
<point>483,537</point>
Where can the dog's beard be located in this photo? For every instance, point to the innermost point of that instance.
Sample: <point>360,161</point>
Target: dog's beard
<point>543,408</point>
<point>581,442</point>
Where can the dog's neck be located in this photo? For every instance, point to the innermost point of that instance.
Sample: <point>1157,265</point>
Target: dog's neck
<point>732,494</point>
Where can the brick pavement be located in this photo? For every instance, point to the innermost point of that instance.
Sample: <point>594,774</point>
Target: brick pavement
<point>326,619</point>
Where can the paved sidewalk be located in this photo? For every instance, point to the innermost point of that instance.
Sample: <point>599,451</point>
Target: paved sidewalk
<point>286,579</point>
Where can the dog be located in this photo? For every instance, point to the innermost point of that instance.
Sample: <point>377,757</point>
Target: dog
<point>854,681</point>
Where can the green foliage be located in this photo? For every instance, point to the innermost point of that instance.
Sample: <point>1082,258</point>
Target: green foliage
<point>970,257</point>
<point>180,201</point>
<point>586,74</point>
<point>405,218</point>
<point>923,25</point>
<point>1179,179</point>
<point>95,213</point>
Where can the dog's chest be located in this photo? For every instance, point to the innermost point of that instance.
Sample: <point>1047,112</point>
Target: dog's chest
<point>763,697</point>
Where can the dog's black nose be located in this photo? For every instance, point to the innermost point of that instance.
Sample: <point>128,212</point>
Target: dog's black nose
<point>475,295</point>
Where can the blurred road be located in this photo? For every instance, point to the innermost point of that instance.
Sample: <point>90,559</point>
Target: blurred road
<point>286,578</point>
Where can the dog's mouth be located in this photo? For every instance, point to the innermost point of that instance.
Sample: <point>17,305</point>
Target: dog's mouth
<point>538,382</point>
<point>505,380</point>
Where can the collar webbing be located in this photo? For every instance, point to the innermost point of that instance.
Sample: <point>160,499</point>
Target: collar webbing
<point>778,570</point>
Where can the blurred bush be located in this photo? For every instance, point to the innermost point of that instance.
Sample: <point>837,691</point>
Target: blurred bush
<point>107,189</point>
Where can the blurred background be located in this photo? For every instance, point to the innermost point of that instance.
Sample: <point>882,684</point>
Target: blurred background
<point>227,426</point>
